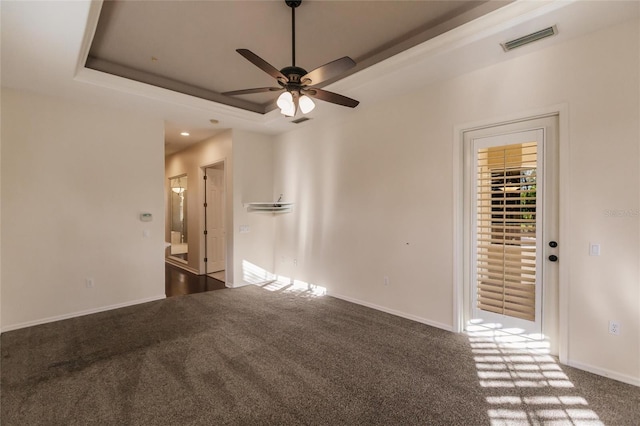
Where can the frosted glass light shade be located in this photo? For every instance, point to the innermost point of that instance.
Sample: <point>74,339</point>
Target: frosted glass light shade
<point>306,104</point>
<point>286,105</point>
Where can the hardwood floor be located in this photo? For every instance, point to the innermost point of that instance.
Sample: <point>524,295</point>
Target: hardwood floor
<point>178,282</point>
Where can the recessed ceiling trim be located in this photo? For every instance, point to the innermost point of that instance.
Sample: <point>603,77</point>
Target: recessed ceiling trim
<point>120,84</point>
<point>169,84</point>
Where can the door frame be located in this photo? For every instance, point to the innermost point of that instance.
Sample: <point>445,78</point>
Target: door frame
<point>202,215</point>
<point>460,275</point>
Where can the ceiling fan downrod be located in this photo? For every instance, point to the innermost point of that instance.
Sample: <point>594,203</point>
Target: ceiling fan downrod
<point>293,4</point>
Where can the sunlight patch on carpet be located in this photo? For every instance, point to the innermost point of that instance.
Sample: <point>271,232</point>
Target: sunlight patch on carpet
<point>257,275</point>
<point>287,285</point>
<point>523,383</point>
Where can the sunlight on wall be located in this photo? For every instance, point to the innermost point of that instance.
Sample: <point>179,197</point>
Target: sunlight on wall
<point>254,274</point>
<point>523,384</point>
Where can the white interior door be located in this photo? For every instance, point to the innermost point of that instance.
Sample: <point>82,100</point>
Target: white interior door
<point>216,239</point>
<point>512,221</point>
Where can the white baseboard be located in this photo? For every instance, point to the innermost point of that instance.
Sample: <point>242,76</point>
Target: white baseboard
<point>605,373</point>
<point>80,313</point>
<point>393,312</point>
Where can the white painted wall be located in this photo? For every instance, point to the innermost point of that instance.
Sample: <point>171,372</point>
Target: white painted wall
<point>75,179</point>
<point>253,182</point>
<point>373,191</point>
<point>191,162</point>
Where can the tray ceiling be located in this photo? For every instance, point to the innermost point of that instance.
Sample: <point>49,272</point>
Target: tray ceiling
<point>189,46</point>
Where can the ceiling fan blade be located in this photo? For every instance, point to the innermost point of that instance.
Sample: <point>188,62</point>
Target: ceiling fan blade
<point>334,98</point>
<point>262,64</point>
<point>250,91</point>
<point>327,71</point>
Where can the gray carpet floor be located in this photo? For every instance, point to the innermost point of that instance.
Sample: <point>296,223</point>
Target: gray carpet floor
<point>249,356</point>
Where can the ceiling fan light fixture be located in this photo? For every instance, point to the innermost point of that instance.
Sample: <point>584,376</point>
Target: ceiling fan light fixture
<point>306,104</point>
<point>286,105</point>
<point>295,80</point>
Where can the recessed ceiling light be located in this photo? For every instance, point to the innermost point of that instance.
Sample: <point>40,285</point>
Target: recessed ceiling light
<point>214,121</point>
<point>185,133</point>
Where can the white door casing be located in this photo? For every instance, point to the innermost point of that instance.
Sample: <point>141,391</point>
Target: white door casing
<point>545,131</point>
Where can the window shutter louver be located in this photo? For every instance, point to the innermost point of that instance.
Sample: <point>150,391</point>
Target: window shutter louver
<point>506,229</point>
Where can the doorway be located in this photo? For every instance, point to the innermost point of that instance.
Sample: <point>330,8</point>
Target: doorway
<point>510,217</point>
<point>215,221</point>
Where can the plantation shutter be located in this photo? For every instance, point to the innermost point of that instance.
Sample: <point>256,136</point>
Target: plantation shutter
<point>506,229</point>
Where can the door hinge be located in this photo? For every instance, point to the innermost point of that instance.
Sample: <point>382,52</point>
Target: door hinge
<point>205,177</point>
<point>205,204</point>
<point>205,232</point>
<point>205,259</point>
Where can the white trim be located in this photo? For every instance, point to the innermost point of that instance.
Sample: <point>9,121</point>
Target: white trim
<point>392,311</point>
<point>564,183</point>
<point>81,313</point>
<point>604,372</point>
<point>458,238</point>
<point>202,212</point>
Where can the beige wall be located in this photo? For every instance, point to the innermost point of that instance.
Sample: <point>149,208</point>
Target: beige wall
<point>253,177</point>
<point>75,179</point>
<point>373,192</point>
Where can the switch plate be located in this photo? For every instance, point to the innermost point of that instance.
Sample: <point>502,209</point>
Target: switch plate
<point>594,249</point>
<point>244,229</point>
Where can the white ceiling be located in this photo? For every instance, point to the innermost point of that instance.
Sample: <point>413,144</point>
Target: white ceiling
<point>44,46</point>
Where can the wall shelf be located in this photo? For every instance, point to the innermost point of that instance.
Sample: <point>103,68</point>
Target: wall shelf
<point>269,207</point>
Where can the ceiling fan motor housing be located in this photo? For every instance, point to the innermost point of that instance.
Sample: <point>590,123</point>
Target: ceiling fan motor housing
<point>294,74</point>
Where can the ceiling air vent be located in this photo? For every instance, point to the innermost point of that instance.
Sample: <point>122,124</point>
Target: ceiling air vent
<point>300,120</point>
<point>530,38</point>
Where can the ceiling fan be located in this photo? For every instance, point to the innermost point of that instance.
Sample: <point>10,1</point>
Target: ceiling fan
<point>297,83</point>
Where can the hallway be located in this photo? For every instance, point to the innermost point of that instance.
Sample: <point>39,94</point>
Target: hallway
<point>180,282</point>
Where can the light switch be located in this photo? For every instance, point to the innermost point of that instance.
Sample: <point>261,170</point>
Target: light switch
<point>244,229</point>
<point>594,250</point>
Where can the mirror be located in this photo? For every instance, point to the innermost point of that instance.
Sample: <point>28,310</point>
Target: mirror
<point>178,217</point>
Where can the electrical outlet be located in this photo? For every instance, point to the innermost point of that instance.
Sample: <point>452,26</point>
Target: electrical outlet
<point>88,282</point>
<point>386,280</point>
<point>614,327</point>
